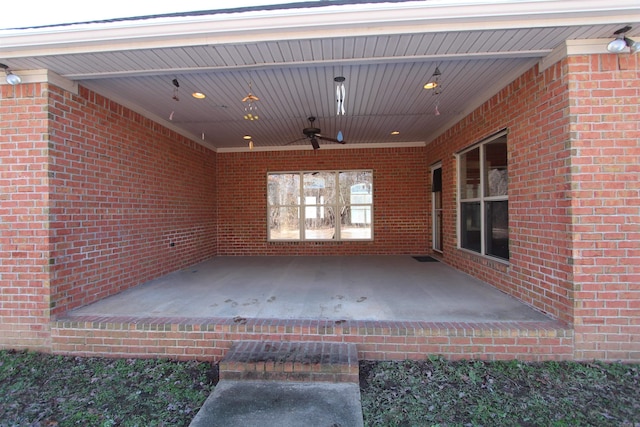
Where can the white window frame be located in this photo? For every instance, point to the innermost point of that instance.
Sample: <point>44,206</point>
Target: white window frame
<point>482,199</point>
<point>303,208</point>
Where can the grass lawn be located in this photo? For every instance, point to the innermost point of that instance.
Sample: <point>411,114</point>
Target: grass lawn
<point>41,390</point>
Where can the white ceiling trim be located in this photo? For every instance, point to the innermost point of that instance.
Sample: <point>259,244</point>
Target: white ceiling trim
<point>308,147</point>
<point>330,21</point>
<point>310,63</point>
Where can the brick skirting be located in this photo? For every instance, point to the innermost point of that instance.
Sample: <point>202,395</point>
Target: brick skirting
<point>210,338</point>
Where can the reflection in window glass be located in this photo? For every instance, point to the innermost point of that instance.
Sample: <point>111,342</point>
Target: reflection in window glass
<point>495,168</point>
<point>284,223</point>
<point>470,174</point>
<point>484,206</point>
<point>471,226</point>
<point>497,218</point>
<point>323,205</point>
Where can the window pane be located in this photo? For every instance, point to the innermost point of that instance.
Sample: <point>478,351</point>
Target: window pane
<point>495,169</point>
<point>284,223</point>
<point>470,174</point>
<point>319,188</point>
<point>470,226</point>
<point>283,189</point>
<point>497,219</point>
<point>320,222</point>
<point>356,198</point>
<point>356,182</point>
<point>356,223</point>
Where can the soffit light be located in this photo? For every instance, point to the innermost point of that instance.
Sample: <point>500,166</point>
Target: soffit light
<point>198,95</point>
<point>11,78</point>
<point>621,42</point>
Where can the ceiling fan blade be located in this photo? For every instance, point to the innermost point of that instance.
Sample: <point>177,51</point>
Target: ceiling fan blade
<point>326,138</point>
<point>296,140</point>
<point>314,143</point>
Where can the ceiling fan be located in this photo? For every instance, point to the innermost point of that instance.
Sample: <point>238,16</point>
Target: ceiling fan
<point>313,134</point>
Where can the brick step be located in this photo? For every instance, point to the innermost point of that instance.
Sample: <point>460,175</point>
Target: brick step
<point>291,361</point>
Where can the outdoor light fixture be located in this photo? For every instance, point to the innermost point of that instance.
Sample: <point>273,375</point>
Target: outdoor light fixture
<point>435,80</point>
<point>621,42</point>
<point>248,138</point>
<point>198,95</point>
<point>12,79</point>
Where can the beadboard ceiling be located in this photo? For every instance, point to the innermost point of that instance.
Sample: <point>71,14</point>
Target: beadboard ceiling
<point>290,56</point>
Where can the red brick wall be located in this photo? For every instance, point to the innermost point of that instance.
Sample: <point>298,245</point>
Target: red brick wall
<point>210,338</point>
<point>605,130</point>
<point>400,200</point>
<point>24,242</point>
<point>124,189</point>
<point>534,108</point>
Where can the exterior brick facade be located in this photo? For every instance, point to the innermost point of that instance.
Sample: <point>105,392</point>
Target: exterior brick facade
<point>574,200</point>
<point>96,199</point>
<point>400,200</point>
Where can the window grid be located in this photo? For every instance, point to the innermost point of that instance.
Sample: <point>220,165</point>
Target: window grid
<point>483,216</point>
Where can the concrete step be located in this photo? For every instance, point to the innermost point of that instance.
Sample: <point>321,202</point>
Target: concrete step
<point>291,361</point>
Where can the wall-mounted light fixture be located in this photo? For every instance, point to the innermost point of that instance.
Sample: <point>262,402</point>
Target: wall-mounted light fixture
<point>621,42</point>
<point>12,79</point>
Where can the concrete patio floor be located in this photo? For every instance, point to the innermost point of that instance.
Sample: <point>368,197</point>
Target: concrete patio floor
<point>376,288</point>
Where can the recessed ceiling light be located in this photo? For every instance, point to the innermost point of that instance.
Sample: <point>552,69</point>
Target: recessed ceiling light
<point>247,137</point>
<point>395,132</point>
<point>431,85</point>
<point>198,95</point>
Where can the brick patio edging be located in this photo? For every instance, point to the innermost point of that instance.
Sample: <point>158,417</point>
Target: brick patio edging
<point>210,338</point>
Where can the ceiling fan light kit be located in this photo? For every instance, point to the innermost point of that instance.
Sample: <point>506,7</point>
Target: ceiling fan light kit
<point>313,135</point>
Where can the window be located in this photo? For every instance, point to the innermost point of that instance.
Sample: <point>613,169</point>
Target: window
<point>483,198</point>
<point>323,205</point>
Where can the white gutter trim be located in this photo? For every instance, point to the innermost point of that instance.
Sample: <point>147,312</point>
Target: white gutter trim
<point>330,21</point>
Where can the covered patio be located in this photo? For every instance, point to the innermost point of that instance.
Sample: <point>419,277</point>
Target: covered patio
<point>371,288</point>
<point>391,306</point>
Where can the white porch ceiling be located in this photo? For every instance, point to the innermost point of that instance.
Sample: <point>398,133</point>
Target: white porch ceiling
<point>386,52</point>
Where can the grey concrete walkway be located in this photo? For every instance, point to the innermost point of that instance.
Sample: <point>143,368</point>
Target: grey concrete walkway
<point>323,287</point>
<point>281,404</point>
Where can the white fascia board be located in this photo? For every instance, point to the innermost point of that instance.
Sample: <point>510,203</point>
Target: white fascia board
<point>575,47</point>
<point>306,23</point>
<point>45,76</point>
